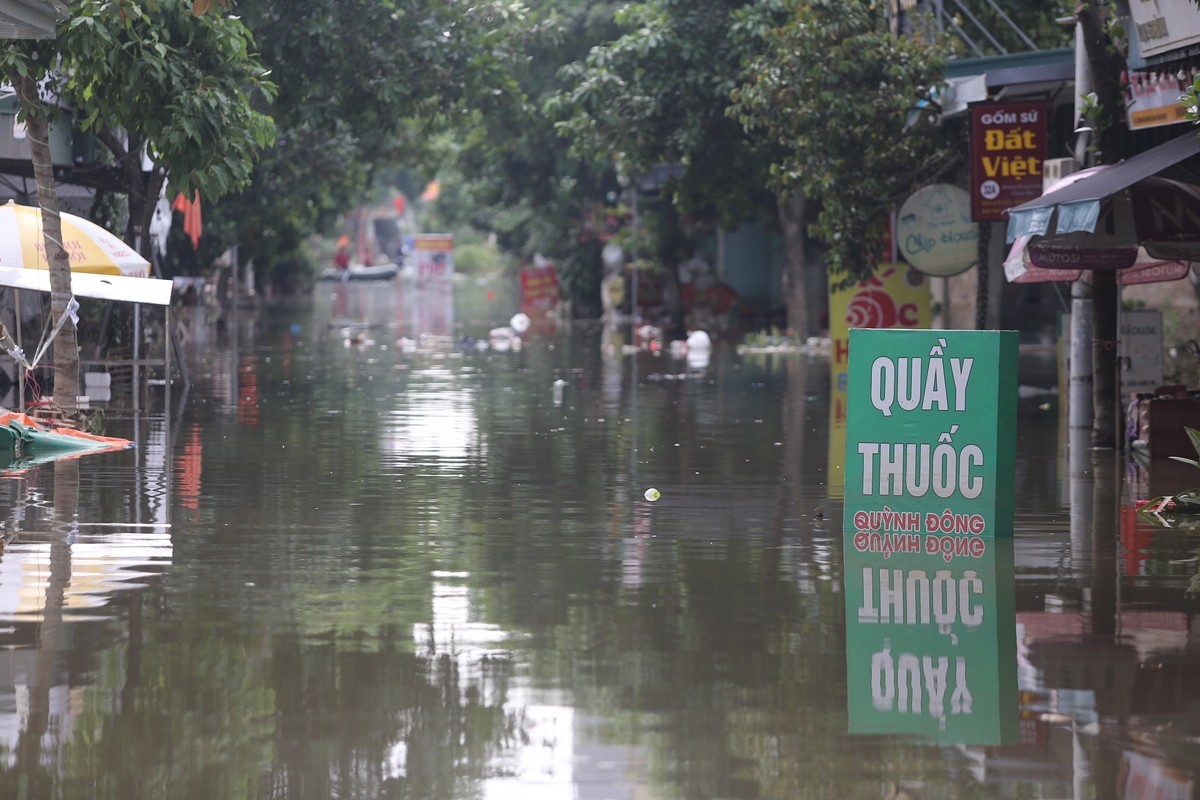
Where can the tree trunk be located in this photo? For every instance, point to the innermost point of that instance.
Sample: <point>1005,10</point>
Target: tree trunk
<point>142,188</point>
<point>66,349</point>
<point>52,629</point>
<point>793,222</point>
<point>141,208</point>
<point>1106,64</point>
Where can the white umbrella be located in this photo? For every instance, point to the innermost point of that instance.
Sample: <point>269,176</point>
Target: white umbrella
<point>90,247</point>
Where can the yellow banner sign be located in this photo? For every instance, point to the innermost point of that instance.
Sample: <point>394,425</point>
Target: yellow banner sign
<point>896,296</point>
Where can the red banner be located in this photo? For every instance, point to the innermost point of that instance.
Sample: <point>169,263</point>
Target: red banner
<point>1008,146</point>
<point>539,288</point>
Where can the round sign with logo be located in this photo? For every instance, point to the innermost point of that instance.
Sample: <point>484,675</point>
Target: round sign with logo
<point>934,230</point>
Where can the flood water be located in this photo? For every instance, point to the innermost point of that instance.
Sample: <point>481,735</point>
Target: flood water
<point>365,560</point>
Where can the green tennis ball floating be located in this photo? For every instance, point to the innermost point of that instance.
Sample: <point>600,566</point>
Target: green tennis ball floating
<point>652,494</point>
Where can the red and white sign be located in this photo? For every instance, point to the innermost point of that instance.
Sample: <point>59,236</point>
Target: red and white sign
<point>433,257</point>
<point>539,289</point>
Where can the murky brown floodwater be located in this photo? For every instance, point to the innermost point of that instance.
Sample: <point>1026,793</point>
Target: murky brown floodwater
<point>358,566</point>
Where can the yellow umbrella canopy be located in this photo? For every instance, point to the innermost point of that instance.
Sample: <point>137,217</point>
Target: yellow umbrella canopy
<point>90,247</point>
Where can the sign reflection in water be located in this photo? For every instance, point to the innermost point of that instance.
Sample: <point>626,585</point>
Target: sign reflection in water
<point>430,310</point>
<point>931,644</point>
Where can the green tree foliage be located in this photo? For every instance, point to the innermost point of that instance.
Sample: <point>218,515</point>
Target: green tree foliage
<point>508,173</point>
<point>364,86</point>
<point>654,93</point>
<point>187,89</point>
<point>658,95</point>
<point>848,103</point>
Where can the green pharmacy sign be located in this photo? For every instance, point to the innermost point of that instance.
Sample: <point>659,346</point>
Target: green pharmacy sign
<point>931,429</point>
<point>931,645</point>
<point>930,621</point>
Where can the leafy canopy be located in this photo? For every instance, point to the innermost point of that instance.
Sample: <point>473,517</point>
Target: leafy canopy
<point>189,86</point>
<point>658,94</point>
<point>364,87</point>
<point>507,172</point>
<point>848,104</point>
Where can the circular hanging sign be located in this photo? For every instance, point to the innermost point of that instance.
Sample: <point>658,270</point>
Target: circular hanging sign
<point>934,230</point>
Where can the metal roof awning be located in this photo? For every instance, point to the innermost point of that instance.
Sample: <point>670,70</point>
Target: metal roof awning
<point>29,19</point>
<point>93,176</point>
<point>969,80</point>
<point>1078,204</point>
<point>151,291</point>
<point>1027,67</point>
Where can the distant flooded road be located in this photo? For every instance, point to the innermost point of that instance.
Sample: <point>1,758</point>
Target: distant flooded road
<point>380,554</point>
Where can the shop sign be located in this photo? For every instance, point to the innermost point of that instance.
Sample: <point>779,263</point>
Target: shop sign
<point>1008,146</point>
<point>1141,351</point>
<point>433,257</point>
<point>1161,27</point>
<point>895,296</point>
<point>931,644</point>
<point>539,289</point>
<point>930,439</point>
<point>934,230</point>
<point>1152,99</point>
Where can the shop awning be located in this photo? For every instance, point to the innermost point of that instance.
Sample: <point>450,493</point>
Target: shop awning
<point>1078,205</point>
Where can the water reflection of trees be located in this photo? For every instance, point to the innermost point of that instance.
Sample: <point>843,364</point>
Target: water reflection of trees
<point>383,722</point>
<point>228,711</point>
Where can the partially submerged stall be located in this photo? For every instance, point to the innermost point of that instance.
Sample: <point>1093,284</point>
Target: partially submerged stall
<point>112,288</point>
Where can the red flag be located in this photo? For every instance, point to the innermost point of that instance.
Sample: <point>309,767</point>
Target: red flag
<point>191,217</point>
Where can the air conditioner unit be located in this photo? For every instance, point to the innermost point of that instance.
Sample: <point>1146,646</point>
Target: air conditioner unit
<point>1055,169</point>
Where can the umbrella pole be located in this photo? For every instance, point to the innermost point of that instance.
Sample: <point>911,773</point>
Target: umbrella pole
<point>137,354</point>
<point>137,340</point>
<point>172,345</point>
<point>20,369</point>
<point>168,343</point>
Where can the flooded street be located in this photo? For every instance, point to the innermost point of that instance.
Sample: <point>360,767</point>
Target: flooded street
<point>370,560</point>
